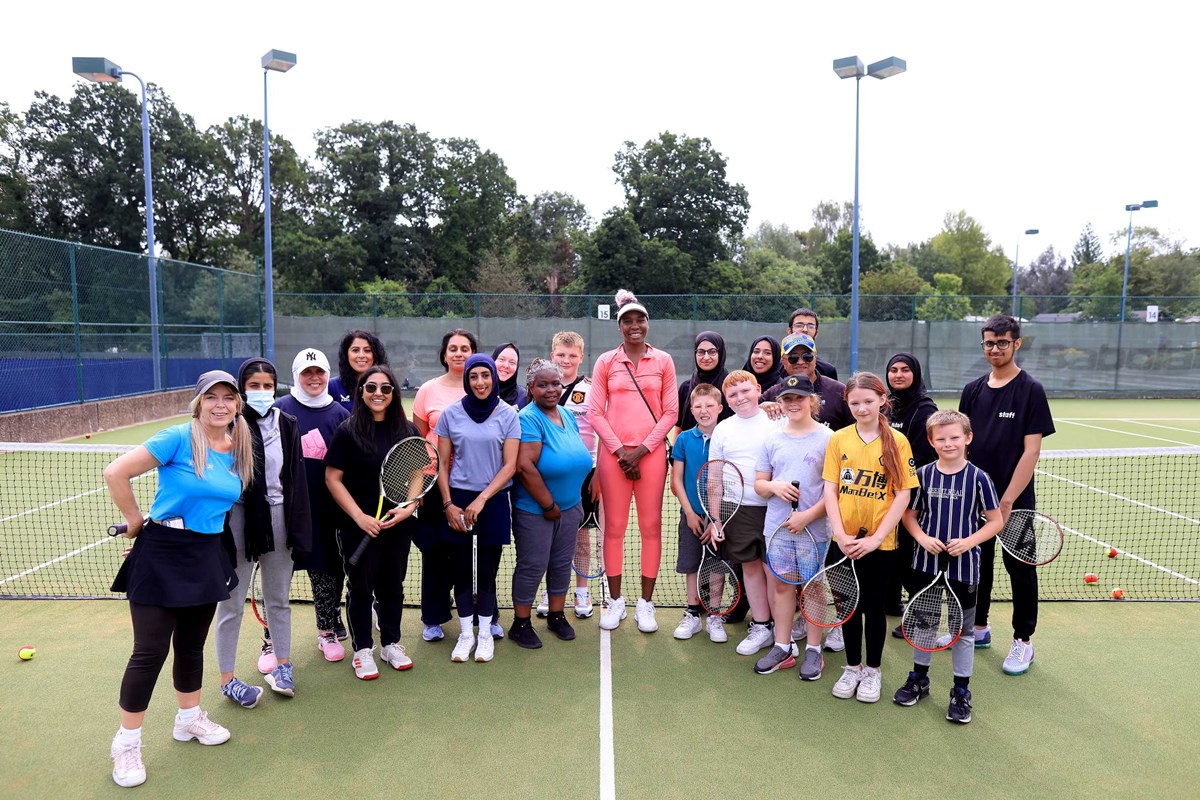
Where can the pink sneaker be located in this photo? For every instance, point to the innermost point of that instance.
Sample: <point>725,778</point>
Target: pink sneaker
<point>327,643</point>
<point>266,660</point>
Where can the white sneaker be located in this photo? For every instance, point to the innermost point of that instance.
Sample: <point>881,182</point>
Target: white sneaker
<point>543,608</point>
<point>716,629</point>
<point>486,649</point>
<point>688,627</point>
<point>847,685</point>
<point>760,636</point>
<point>644,614</point>
<point>1020,656</point>
<point>462,648</point>
<point>868,687</point>
<point>611,617</point>
<point>583,603</point>
<point>395,656</point>
<point>799,629</point>
<point>128,769</point>
<point>834,643</point>
<point>202,729</point>
<point>364,665</point>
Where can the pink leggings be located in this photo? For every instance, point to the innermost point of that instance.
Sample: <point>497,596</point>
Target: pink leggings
<point>616,491</point>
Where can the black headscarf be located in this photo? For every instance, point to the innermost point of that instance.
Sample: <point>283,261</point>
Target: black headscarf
<point>259,537</point>
<point>716,377</point>
<point>911,407</point>
<point>480,410</point>
<point>510,390</point>
<point>774,373</point>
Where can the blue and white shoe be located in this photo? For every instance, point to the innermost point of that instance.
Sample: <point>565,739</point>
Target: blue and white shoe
<point>433,633</point>
<point>1020,656</point>
<point>983,638</point>
<point>280,680</point>
<point>243,694</point>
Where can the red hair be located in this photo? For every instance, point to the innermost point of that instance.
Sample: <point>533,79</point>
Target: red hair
<point>891,453</point>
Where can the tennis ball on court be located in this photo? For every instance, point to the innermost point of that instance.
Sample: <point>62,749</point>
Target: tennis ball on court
<point>1112,552</point>
<point>87,436</point>
<point>1118,593</point>
<point>1091,577</point>
<point>27,652</point>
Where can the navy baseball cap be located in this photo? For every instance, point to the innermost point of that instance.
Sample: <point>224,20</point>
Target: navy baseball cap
<point>798,385</point>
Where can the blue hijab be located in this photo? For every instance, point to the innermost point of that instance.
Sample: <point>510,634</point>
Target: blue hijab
<point>480,410</point>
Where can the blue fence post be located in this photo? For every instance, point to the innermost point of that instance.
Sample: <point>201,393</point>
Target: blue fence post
<point>374,307</point>
<point>258,279</point>
<point>75,317</point>
<point>221,310</point>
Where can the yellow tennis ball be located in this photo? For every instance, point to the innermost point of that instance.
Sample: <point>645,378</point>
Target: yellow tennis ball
<point>27,652</point>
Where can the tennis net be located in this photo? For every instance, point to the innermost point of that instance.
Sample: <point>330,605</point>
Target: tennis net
<point>1141,504</point>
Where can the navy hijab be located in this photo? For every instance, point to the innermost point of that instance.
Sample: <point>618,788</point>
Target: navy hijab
<point>716,377</point>
<point>480,410</point>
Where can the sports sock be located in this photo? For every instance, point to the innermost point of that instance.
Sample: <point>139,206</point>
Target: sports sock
<point>186,715</point>
<point>784,646</point>
<point>815,648</point>
<point>126,737</point>
<point>963,682</point>
<point>582,593</point>
<point>921,669</point>
<point>694,609</point>
<point>467,624</point>
<point>485,624</point>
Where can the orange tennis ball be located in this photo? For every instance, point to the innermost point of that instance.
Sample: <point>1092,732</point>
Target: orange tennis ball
<point>27,652</point>
<point>1118,593</point>
<point>1091,577</point>
<point>87,436</point>
<point>1112,552</point>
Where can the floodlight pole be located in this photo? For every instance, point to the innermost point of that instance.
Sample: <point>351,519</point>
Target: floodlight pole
<point>1016,263</point>
<point>273,61</point>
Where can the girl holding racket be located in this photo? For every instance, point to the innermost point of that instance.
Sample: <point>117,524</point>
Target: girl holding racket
<point>352,467</point>
<point>479,437</point>
<point>358,352</point>
<point>319,417</point>
<point>266,525</point>
<point>633,404</point>
<point>177,570</point>
<point>869,474</point>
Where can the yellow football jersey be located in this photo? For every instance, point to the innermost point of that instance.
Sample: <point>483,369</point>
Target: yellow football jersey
<point>864,493</point>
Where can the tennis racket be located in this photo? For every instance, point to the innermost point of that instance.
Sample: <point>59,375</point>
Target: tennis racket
<point>120,529</point>
<point>589,543</point>
<point>1031,537</point>
<point>720,486</point>
<point>831,596</point>
<point>933,619</point>
<point>409,471</point>
<point>717,584</point>
<point>793,557</point>
<point>258,603</point>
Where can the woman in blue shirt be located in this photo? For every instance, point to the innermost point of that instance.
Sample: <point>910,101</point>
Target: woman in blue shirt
<point>552,464</point>
<point>178,570</point>
<point>479,437</point>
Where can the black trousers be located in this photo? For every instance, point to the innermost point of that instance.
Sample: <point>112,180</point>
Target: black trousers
<point>155,629</point>
<point>873,570</point>
<point>1024,588</point>
<point>378,576</point>
<point>488,567</point>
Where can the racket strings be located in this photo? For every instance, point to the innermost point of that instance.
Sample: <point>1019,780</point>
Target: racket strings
<point>932,620</point>
<point>409,472</point>
<point>720,488</point>
<point>1032,537</point>
<point>831,597</point>
<point>589,552</point>
<point>793,557</point>
<point>717,586</point>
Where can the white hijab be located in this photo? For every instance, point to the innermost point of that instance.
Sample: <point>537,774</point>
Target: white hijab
<point>303,360</point>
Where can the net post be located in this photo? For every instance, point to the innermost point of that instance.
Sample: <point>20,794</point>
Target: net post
<point>75,320</point>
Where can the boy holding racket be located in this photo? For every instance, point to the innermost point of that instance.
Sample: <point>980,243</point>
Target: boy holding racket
<point>740,439</point>
<point>944,517</point>
<point>689,453</point>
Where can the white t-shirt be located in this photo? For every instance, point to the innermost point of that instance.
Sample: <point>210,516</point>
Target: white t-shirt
<point>741,440</point>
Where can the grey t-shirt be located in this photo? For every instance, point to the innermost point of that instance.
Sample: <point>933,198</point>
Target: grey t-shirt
<point>478,447</point>
<point>796,458</point>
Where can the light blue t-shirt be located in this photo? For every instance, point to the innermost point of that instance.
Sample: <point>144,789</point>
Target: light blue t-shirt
<point>202,503</point>
<point>796,458</point>
<point>563,463</point>
<point>478,446</point>
<point>691,447</point>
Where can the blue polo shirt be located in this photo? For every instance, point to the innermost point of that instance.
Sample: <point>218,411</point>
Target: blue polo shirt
<point>563,463</point>
<point>691,449</point>
<point>203,504</point>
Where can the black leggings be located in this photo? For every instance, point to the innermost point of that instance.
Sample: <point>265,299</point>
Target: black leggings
<point>488,567</point>
<point>377,579</point>
<point>154,630</point>
<point>873,570</point>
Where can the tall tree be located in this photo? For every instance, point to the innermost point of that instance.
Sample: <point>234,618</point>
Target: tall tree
<point>967,251</point>
<point>1048,279</point>
<point>835,260</point>
<point>14,188</point>
<point>1087,249</point>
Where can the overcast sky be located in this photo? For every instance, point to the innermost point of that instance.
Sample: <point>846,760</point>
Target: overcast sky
<point>1042,115</point>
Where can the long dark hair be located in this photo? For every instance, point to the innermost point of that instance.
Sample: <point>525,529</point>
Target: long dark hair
<point>347,374</point>
<point>450,334</point>
<point>362,423</point>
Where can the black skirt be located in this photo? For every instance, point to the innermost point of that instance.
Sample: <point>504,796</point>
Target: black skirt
<point>175,568</point>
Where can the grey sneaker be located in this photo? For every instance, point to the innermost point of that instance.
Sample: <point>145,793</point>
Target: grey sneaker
<point>813,666</point>
<point>776,658</point>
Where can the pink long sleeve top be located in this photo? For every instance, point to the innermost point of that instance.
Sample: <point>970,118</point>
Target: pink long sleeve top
<point>616,410</point>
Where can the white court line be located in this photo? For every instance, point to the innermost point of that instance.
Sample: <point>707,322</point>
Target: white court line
<point>52,505</point>
<point>608,772</point>
<point>53,561</point>
<point>1082,535</point>
<point>1164,427</point>
<point>1127,433</point>
<point>1128,419</point>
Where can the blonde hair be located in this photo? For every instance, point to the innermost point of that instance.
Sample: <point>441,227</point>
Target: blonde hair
<point>238,433</point>
<point>948,416</point>
<point>566,339</point>
<point>814,405</point>
<point>705,390</point>
<point>738,376</point>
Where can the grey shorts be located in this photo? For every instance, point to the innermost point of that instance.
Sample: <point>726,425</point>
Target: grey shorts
<point>690,549</point>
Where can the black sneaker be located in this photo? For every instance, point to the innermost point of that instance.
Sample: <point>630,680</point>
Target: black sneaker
<point>558,625</point>
<point>898,631</point>
<point>960,705</point>
<point>916,687</point>
<point>523,634</point>
<point>339,629</point>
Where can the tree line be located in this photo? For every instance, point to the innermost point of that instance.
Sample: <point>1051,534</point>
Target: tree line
<point>384,207</point>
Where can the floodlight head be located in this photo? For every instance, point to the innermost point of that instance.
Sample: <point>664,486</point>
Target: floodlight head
<point>98,70</point>
<point>1149,204</point>
<point>849,67</point>
<point>1133,206</point>
<point>1032,231</point>
<point>278,60</point>
<point>887,68</point>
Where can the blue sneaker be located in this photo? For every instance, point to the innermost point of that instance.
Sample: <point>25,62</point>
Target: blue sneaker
<point>244,695</point>
<point>280,680</point>
<point>983,638</point>
<point>433,633</point>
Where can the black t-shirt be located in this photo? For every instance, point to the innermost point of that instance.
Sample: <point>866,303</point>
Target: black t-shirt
<point>361,470</point>
<point>834,414</point>
<point>1001,419</point>
<point>826,369</point>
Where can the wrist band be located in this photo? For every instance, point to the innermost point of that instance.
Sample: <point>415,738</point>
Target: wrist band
<point>447,504</point>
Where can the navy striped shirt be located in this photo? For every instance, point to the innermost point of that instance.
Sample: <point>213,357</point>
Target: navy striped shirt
<point>952,507</point>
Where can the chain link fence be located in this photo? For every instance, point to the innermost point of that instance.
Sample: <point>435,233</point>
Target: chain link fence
<point>75,322</point>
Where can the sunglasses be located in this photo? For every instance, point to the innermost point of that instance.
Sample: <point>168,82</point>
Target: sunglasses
<point>805,357</point>
<point>372,388</point>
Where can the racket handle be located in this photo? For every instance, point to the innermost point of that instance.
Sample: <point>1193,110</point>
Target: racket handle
<point>120,529</point>
<point>358,551</point>
<point>796,502</point>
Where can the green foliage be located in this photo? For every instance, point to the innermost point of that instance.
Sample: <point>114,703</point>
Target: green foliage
<point>835,259</point>
<point>1048,279</point>
<point>1087,249</point>
<point>947,301</point>
<point>887,293</point>
<point>966,251</point>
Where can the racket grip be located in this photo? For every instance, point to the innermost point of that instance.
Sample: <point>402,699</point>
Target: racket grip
<point>358,551</point>
<point>120,529</point>
<point>796,502</point>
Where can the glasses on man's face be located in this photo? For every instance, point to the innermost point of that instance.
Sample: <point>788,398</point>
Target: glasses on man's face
<point>799,327</point>
<point>708,353</point>
<point>805,357</point>
<point>383,388</point>
<point>997,344</point>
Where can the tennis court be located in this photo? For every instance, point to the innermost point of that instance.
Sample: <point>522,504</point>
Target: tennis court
<point>631,715</point>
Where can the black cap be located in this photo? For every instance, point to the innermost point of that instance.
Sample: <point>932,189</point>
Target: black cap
<point>797,384</point>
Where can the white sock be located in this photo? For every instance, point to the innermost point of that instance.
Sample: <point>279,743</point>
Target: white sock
<point>784,646</point>
<point>126,737</point>
<point>467,625</point>
<point>485,625</point>
<point>188,714</point>
<point>816,648</point>
<point>582,593</point>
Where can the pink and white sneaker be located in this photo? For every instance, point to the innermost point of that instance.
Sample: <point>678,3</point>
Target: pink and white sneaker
<point>330,647</point>
<point>266,659</point>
